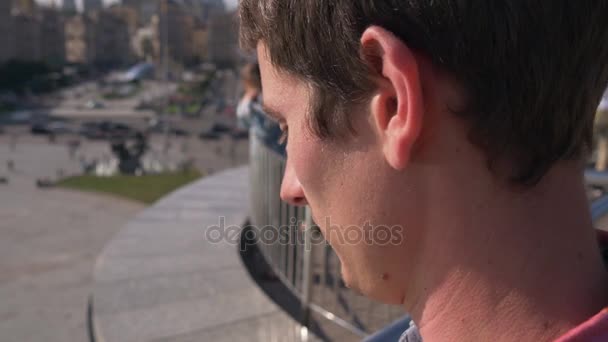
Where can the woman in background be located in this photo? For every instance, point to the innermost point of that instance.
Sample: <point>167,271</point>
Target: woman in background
<point>601,131</point>
<point>250,113</point>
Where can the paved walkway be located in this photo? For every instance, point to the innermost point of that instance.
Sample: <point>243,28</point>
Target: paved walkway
<point>162,279</point>
<point>49,243</point>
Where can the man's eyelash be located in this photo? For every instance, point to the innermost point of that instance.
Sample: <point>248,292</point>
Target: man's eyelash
<point>284,135</point>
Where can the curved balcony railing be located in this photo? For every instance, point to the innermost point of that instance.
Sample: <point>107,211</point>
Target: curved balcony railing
<point>309,268</point>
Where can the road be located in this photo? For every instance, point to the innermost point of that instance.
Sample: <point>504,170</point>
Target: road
<point>75,97</point>
<point>70,102</point>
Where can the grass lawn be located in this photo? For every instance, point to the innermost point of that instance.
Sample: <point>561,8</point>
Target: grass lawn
<point>192,108</point>
<point>172,109</point>
<point>146,189</point>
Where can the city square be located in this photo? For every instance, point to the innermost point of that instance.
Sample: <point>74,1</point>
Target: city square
<point>290,170</point>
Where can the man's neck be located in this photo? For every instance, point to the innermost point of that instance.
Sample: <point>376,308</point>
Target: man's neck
<point>511,266</point>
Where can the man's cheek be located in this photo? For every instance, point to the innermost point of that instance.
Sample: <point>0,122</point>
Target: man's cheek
<point>331,231</point>
<point>306,168</point>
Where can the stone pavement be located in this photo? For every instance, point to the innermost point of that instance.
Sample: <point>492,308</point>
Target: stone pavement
<point>163,279</point>
<point>49,243</point>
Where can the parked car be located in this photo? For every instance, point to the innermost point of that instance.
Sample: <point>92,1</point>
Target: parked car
<point>51,127</point>
<point>94,105</point>
<point>91,130</point>
<point>106,130</point>
<point>208,135</point>
<point>167,127</point>
<point>20,117</point>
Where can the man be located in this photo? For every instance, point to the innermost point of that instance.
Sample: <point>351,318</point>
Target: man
<point>601,131</point>
<point>465,123</point>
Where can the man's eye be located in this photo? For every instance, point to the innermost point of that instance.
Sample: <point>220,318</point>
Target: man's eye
<point>284,134</point>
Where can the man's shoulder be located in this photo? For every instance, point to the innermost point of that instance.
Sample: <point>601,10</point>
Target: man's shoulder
<point>411,334</point>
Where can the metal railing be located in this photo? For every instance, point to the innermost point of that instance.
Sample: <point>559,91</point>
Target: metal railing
<point>293,246</point>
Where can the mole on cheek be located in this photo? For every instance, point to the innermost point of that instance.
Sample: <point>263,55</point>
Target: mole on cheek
<point>385,276</point>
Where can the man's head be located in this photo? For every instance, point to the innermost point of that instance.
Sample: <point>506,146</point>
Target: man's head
<point>394,106</point>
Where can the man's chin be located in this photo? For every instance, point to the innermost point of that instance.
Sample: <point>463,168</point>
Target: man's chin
<point>353,284</point>
<point>349,282</point>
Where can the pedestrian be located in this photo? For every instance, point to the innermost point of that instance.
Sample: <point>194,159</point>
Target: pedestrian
<point>601,132</point>
<point>251,113</point>
<point>73,146</point>
<point>250,77</point>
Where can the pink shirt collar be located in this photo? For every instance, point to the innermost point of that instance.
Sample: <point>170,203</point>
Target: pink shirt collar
<point>594,329</point>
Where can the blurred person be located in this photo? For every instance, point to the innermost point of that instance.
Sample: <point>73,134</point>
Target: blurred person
<point>461,130</point>
<point>184,147</point>
<point>601,131</point>
<point>250,77</point>
<point>250,112</point>
<point>73,146</point>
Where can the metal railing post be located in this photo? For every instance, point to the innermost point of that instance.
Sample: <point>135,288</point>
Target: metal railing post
<point>307,272</point>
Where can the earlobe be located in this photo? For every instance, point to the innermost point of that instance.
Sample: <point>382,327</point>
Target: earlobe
<point>398,107</point>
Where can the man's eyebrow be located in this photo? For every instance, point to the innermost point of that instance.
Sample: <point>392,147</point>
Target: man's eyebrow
<point>273,113</point>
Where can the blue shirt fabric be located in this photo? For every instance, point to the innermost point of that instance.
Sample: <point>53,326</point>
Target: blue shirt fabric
<point>265,128</point>
<point>411,334</point>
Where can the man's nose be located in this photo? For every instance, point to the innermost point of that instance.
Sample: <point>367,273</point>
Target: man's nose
<point>291,189</point>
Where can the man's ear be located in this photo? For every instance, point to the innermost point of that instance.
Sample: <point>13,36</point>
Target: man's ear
<point>397,106</point>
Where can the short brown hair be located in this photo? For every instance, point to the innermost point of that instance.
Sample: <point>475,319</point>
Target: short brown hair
<point>534,70</point>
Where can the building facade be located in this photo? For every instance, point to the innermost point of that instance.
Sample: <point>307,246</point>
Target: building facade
<point>69,6</point>
<point>180,33</point>
<point>129,15</point>
<point>7,34</point>
<point>112,40</point>
<point>27,35</point>
<point>98,37</point>
<point>27,7</point>
<point>200,43</point>
<point>52,37</point>
<point>80,39</point>
<point>211,8</point>
<point>146,9</point>
<point>91,5</point>
<point>223,40</point>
